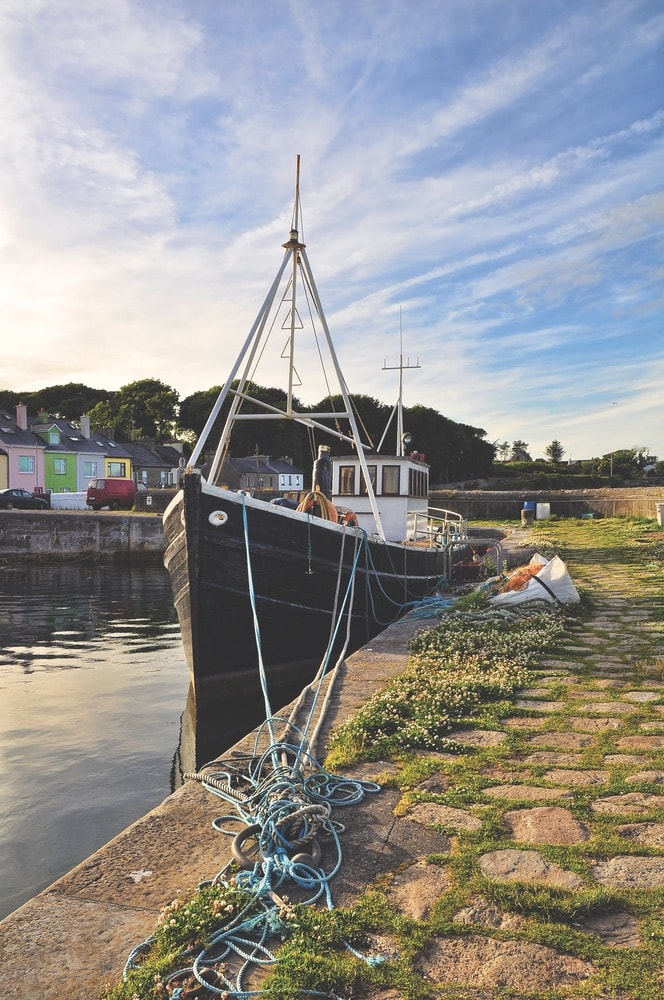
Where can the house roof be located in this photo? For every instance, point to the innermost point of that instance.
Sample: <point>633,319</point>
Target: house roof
<point>71,437</point>
<point>143,454</point>
<point>169,454</point>
<point>12,435</point>
<point>262,465</point>
<point>148,455</point>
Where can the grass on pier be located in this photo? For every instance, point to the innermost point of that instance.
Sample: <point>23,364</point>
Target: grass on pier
<point>463,674</point>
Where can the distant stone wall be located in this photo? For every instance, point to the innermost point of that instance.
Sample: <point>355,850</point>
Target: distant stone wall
<point>507,504</point>
<point>62,534</point>
<point>155,501</point>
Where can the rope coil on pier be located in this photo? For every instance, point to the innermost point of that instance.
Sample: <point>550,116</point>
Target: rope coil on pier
<point>284,799</point>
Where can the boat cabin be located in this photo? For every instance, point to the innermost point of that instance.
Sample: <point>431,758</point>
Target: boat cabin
<point>400,484</point>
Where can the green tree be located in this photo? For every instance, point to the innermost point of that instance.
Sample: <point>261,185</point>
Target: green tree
<point>276,438</point>
<point>554,451</point>
<point>103,416</point>
<point>519,452</point>
<point>153,408</point>
<point>195,409</point>
<point>147,408</point>
<point>371,416</point>
<point>624,463</point>
<point>70,401</point>
<point>454,451</point>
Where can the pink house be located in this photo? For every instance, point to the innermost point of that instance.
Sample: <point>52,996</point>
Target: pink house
<point>25,452</point>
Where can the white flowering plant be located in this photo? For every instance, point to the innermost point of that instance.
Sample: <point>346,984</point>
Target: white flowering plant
<point>469,661</point>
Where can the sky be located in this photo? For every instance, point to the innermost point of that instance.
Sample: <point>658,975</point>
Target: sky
<point>483,175</point>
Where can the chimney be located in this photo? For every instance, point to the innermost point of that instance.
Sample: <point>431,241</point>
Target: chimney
<point>22,416</point>
<point>85,426</point>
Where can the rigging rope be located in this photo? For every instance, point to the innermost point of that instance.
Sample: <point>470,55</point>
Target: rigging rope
<point>284,798</point>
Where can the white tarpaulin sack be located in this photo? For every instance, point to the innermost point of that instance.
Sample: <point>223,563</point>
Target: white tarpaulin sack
<point>549,582</point>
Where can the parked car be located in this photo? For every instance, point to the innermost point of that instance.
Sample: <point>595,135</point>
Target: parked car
<point>114,493</point>
<point>22,500</point>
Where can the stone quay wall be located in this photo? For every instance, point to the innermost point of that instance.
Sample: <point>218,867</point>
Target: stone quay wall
<point>61,534</point>
<point>507,504</point>
<point>75,534</point>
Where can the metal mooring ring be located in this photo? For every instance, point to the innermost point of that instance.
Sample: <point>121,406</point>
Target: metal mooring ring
<point>312,859</point>
<point>238,841</point>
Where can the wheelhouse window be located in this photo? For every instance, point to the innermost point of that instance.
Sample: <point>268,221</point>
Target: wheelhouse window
<point>26,463</point>
<point>372,480</point>
<point>347,480</point>
<point>117,470</point>
<point>60,466</point>
<point>417,483</point>
<point>391,480</point>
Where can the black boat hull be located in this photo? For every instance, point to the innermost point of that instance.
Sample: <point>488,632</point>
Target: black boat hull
<point>228,555</point>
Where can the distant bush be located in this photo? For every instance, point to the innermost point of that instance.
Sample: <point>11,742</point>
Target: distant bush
<point>547,476</point>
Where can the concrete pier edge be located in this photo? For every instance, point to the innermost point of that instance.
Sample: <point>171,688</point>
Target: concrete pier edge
<point>74,938</point>
<point>83,927</point>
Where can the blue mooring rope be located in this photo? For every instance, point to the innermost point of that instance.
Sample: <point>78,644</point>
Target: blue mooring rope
<point>286,797</point>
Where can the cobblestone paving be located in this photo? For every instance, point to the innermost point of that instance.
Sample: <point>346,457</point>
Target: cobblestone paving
<point>574,799</point>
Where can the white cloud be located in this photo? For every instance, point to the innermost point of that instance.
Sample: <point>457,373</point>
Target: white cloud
<point>497,175</point>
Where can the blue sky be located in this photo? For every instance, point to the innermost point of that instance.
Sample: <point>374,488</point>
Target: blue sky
<point>489,169</point>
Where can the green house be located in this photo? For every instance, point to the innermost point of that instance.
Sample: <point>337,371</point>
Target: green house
<point>60,462</point>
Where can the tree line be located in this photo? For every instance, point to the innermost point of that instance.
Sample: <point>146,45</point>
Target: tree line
<point>149,408</point>
<point>618,465</point>
<point>456,452</point>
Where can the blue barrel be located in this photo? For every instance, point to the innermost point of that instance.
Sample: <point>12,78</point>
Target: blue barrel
<point>528,512</point>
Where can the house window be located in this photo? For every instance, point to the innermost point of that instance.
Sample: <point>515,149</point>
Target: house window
<point>417,485</point>
<point>54,437</point>
<point>347,480</point>
<point>26,463</point>
<point>372,480</point>
<point>60,466</point>
<point>391,480</point>
<point>89,470</point>
<point>117,469</point>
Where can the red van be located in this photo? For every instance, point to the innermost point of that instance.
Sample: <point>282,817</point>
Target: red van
<point>117,494</point>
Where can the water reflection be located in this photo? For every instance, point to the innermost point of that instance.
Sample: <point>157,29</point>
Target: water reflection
<point>92,684</point>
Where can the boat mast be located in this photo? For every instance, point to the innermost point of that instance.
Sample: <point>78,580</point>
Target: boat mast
<point>296,246</point>
<point>254,334</point>
<point>399,403</point>
<point>300,270</point>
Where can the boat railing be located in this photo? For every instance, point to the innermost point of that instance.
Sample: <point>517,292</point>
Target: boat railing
<point>436,527</point>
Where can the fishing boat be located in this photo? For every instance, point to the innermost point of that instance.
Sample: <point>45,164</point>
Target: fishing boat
<point>267,594</point>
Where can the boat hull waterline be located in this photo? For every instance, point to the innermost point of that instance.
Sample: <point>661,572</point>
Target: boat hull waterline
<point>301,569</point>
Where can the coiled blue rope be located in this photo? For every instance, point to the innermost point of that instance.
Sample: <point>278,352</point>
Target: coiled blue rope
<point>287,796</point>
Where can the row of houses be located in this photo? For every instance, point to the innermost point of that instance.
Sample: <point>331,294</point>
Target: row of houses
<point>50,454</point>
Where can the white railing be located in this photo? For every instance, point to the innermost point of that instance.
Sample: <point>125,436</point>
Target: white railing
<point>437,527</point>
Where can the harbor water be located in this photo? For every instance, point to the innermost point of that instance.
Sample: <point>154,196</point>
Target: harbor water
<point>93,685</point>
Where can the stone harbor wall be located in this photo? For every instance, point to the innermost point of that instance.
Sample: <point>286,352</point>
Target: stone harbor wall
<point>68,534</point>
<point>507,504</point>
